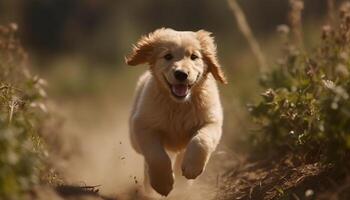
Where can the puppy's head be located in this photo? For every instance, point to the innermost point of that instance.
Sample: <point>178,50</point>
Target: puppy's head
<point>179,60</point>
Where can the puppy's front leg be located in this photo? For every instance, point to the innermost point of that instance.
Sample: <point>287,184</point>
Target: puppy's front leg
<point>199,149</point>
<point>157,160</point>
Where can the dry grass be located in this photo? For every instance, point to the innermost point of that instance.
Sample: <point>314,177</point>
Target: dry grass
<point>273,178</point>
<point>22,113</point>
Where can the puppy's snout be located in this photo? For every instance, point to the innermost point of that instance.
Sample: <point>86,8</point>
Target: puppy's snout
<point>180,75</point>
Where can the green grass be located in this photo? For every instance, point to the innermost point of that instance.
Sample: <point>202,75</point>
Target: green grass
<point>305,106</point>
<point>22,114</point>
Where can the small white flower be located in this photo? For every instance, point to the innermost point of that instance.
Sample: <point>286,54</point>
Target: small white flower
<point>340,91</point>
<point>309,193</point>
<point>344,55</point>
<point>328,84</point>
<point>283,29</point>
<point>12,157</point>
<point>321,127</point>
<point>334,105</point>
<point>342,70</point>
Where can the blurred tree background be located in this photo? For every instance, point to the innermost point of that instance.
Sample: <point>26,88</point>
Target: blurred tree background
<point>102,30</point>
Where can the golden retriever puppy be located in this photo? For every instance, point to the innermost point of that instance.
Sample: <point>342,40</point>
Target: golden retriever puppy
<point>177,106</point>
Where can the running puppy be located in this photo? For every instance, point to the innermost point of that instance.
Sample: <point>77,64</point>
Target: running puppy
<point>177,106</point>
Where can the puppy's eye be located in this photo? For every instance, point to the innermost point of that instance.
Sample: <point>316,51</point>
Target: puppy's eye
<point>194,57</point>
<point>168,56</point>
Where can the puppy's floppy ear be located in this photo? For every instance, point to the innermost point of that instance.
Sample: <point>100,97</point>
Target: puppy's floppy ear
<point>209,55</point>
<point>142,51</point>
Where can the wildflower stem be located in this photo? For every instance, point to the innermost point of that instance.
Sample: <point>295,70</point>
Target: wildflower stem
<point>294,17</point>
<point>243,26</point>
<point>330,11</point>
<point>12,105</point>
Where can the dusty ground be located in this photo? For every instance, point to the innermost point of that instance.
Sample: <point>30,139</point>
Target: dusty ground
<point>100,154</point>
<point>95,151</point>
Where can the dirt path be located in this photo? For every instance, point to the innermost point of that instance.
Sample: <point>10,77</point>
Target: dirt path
<point>96,149</point>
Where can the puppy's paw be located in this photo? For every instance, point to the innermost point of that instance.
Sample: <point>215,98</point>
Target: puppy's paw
<point>161,179</point>
<point>195,158</point>
<point>192,170</point>
<point>162,184</point>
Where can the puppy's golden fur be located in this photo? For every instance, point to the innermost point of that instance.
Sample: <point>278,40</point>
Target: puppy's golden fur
<point>181,116</point>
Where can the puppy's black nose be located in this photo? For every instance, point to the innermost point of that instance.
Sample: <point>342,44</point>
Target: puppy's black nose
<point>180,75</point>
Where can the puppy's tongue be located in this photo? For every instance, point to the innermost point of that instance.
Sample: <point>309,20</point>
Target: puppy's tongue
<point>180,90</point>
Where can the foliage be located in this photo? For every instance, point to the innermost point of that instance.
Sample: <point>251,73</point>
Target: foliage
<point>22,111</point>
<point>306,104</point>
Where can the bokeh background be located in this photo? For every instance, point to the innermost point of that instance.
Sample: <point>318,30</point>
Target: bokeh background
<point>78,46</point>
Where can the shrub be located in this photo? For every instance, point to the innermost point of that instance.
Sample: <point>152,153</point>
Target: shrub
<point>22,112</point>
<point>306,103</point>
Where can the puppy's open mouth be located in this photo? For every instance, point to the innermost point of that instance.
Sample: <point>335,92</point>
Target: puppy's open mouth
<point>179,90</point>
